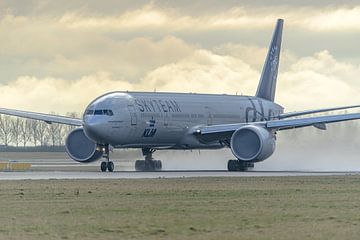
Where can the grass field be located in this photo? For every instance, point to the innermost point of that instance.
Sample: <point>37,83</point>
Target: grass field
<point>198,208</point>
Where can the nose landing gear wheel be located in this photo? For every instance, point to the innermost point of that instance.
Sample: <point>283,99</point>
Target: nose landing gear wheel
<point>110,166</point>
<point>106,165</point>
<point>103,166</point>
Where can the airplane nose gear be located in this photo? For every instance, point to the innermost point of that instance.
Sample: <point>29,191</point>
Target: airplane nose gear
<point>149,164</point>
<point>240,166</point>
<point>107,165</point>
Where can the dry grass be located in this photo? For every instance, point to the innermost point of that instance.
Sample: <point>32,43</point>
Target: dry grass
<point>199,208</point>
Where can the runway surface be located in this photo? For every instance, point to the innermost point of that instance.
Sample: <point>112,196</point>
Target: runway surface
<point>46,175</point>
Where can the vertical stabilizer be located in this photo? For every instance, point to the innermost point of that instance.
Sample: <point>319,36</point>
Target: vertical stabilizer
<point>267,85</point>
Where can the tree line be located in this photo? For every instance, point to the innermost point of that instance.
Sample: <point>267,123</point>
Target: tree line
<point>23,132</point>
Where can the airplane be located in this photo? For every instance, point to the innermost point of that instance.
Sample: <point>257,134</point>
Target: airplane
<point>152,121</point>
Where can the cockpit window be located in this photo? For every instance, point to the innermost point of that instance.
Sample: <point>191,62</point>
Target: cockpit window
<point>89,112</point>
<point>107,112</point>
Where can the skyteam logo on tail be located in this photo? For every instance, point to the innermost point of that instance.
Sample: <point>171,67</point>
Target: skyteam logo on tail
<point>274,58</point>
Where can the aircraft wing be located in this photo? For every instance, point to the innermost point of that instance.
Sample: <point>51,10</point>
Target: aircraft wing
<point>48,118</point>
<point>301,113</point>
<point>224,131</point>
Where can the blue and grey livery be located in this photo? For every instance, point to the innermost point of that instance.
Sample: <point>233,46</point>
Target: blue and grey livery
<point>159,121</point>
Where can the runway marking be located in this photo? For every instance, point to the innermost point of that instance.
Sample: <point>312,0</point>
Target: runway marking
<point>47,175</point>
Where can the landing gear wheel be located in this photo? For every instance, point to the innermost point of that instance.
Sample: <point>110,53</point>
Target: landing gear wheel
<point>148,165</point>
<point>157,165</point>
<point>139,165</point>
<point>237,165</point>
<point>103,166</point>
<point>110,166</point>
<point>233,165</point>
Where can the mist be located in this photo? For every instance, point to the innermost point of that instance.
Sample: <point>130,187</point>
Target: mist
<point>305,149</point>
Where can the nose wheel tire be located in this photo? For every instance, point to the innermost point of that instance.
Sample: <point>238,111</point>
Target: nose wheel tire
<point>107,166</point>
<point>103,166</point>
<point>110,166</point>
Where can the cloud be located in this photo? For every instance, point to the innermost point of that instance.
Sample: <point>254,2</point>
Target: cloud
<point>42,47</point>
<point>58,95</point>
<point>337,19</point>
<point>77,54</point>
<point>319,80</point>
<point>327,18</point>
<point>205,71</point>
<point>310,82</point>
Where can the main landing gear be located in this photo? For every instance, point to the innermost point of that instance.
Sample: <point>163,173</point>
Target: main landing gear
<point>240,166</point>
<point>107,165</point>
<point>149,164</point>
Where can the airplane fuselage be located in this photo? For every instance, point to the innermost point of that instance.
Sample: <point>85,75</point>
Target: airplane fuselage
<point>167,120</point>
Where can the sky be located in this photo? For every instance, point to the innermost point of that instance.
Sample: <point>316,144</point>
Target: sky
<point>56,56</point>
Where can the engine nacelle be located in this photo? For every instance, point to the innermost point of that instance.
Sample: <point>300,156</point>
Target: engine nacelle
<point>81,148</point>
<point>252,143</point>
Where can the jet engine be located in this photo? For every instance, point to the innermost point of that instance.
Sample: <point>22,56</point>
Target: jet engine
<point>252,143</point>
<point>81,148</point>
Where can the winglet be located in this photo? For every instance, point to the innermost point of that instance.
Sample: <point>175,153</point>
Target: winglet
<point>267,85</point>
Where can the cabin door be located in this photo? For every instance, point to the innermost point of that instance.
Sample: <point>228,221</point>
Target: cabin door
<point>133,114</point>
<point>209,116</point>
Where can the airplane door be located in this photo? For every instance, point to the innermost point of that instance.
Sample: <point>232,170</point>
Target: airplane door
<point>209,116</point>
<point>133,115</point>
<point>166,119</point>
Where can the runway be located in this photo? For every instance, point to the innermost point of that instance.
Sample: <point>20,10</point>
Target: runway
<point>47,175</point>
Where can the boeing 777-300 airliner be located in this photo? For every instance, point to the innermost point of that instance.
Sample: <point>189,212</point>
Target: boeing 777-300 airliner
<point>161,121</point>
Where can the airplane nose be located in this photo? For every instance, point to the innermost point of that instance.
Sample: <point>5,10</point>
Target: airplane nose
<point>96,124</point>
<point>93,130</point>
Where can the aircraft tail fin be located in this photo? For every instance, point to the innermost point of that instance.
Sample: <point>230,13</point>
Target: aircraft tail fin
<point>267,85</point>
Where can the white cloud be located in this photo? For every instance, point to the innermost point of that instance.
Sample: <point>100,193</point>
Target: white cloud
<point>319,81</point>
<point>60,59</point>
<point>311,82</point>
<point>329,18</point>
<point>207,72</point>
<point>57,95</point>
<point>336,19</point>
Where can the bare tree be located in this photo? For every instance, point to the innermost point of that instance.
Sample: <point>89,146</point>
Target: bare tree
<point>69,128</point>
<point>52,130</point>
<point>5,129</point>
<point>25,131</point>
<point>34,131</point>
<point>41,132</point>
<point>60,135</point>
<point>15,130</point>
